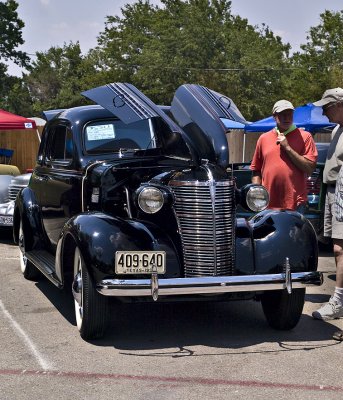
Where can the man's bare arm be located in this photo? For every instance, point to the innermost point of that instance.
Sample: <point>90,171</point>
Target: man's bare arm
<point>299,161</point>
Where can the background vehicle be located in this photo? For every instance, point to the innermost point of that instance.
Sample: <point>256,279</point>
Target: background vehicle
<point>126,202</point>
<point>316,194</point>
<point>11,182</point>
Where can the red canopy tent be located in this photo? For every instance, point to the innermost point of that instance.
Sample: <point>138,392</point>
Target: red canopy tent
<point>11,121</point>
<point>18,142</point>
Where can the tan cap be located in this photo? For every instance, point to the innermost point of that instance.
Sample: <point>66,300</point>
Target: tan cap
<point>282,105</point>
<point>330,96</point>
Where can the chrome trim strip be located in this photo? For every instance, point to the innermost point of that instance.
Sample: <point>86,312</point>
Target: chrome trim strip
<point>204,285</point>
<point>200,183</point>
<point>212,187</point>
<point>129,212</point>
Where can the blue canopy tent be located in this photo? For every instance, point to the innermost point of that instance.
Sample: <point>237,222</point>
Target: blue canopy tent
<point>308,117</point>
<point>230,124</point>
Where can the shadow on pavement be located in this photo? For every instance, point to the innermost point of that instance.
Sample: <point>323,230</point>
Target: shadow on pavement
<point>6,236</point>
<point>232,325</point>
<point>62,300</point>
<point>167,329</point>
<point>317,298</point>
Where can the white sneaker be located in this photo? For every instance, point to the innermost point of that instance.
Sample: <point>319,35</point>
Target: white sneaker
<point>330,310</point>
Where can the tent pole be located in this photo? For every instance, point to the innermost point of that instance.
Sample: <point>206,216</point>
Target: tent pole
<point>37,131</point>
<point>243,155</point>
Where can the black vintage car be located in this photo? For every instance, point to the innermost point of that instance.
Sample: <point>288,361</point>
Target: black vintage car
<point>137,202</point>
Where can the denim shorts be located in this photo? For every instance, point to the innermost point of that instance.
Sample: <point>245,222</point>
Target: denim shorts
<point>332,227</point>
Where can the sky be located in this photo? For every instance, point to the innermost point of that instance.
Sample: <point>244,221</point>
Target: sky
<point>55,22</point>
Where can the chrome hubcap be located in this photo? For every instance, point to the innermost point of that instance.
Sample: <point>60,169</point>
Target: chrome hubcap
<point>23,258</point>
<point>77,288</point>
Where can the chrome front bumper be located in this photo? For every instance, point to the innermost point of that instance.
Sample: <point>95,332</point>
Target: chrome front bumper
<point>208,285</point>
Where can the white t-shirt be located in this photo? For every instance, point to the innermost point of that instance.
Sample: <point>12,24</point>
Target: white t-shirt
<point>334,158</point>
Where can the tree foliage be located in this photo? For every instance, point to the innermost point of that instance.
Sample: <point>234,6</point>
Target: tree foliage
<point>194,41</point>
<point>11,33</point>
<point>158,48</point>
<point>320,63</point>
<point>13,95</point>
<point>56,77</point>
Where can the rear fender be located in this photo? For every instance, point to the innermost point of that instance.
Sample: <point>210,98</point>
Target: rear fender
<point>99,236</point>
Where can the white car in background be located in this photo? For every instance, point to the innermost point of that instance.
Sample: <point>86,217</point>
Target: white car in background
<point>11,182</point>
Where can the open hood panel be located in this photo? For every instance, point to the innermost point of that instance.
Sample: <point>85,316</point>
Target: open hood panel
<point>130,105</point>
<point>125,101</point>
<point>198,110</point>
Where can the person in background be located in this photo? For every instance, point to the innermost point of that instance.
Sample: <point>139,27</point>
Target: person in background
<point>332,105</point>
<point>284,157</point>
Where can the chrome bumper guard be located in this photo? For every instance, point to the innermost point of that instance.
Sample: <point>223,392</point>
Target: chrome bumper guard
<point>208,285</point>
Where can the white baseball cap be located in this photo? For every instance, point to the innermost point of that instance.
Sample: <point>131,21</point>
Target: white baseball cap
<point>330,96</point>
<point>282,105</point>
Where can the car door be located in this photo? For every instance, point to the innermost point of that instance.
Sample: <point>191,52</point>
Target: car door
<point>59,180</point>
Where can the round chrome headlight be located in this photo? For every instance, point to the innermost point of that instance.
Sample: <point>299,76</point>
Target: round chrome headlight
<point>257,198</point>
<point>150,200</point>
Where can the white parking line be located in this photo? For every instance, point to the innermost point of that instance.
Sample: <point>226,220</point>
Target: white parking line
<point>45,365</point>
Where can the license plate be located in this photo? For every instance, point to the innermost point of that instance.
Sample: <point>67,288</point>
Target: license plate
<point>6,220</point>
<point>140,262</point>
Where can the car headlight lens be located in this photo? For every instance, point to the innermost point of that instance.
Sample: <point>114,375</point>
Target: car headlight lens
<point>257,198</point>
<point>150,200</point>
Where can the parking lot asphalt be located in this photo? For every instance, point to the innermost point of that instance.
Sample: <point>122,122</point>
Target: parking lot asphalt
<point>161,351</point>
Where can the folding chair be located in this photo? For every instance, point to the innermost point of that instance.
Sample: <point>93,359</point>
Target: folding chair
<point>6,156</point>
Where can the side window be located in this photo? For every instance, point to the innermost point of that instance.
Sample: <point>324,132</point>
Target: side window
<point>61,144</point>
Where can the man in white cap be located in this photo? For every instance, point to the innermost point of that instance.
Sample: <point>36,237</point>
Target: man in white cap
<point>283,159</point>
<point>332,105</point>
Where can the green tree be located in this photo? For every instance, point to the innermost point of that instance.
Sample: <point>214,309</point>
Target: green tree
<point>13,96</point>
<point>57,77</point>
<point>319,65</point>
<point>17,98</point>
<point>195,41</point>
<point>11,33</point>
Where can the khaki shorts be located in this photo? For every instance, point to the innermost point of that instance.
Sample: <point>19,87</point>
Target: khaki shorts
<point>332,227</point>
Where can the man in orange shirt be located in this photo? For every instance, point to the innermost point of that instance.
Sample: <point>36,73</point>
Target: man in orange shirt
<point>284,157</point>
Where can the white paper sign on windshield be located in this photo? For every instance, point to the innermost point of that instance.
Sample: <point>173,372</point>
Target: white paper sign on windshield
<point>100,132</point>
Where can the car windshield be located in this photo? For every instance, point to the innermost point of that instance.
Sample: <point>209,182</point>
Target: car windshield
<point>114,135</point>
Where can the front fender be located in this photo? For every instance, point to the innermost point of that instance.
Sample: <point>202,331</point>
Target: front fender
<point>281,234</point>
<point>99,236</point>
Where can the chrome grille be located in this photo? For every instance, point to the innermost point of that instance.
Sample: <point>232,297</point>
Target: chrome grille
<point>13,190</point>
<point>205,213</point>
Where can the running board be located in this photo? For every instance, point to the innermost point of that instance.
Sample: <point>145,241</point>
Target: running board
<point>45,263</point>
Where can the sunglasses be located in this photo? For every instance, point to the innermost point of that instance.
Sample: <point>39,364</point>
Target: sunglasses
<point>325,109</point>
